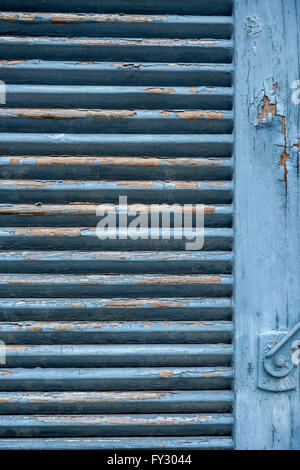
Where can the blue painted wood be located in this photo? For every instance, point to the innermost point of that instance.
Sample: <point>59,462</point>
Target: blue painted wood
<point>181,145</point>
<point>89,285</point>
<point>61,262</point>
<point>127,355</point>
<point>267,213</point>
<point>116,332</point>
<point>97,167</point>
<point>104,309</point>
<point>116,25</point>
<point>125,338</point>
<point>84,215</point>
<point>120,73</point>
<point>131,49</point>
<point>193,401</point>
<point>114,378</point>
<point>163,443</point>
<point>217,424</point>
<point>86,239</point>
<point>119,97</point>
<point>154,192</point>
<point>115,121</point>
<point>199,7</point>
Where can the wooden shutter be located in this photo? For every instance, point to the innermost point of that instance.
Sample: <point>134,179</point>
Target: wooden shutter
<point>116,343</point>
<point>267,266</point>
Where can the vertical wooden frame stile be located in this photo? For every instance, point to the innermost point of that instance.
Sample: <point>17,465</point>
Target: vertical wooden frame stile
<point>267,212</point>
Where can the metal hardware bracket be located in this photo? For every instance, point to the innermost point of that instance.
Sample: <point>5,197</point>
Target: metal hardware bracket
<point>277,368</point>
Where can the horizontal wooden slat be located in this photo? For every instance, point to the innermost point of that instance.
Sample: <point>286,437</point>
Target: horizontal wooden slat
<point>115,262</point>
<point>127,168</point>
<point>124,342</point>
<point>164,309</point>
<point>119,73</point>
<point>116,425</point>
<point>124,49</point>
<point>123,379</point>
<point>85,215</point>
<point>84,238</point>
<point>163,443</point>
<point>115,332</point>
<point>124,355</point>
<point>115,25</point>
<point>44,285</point>
<point>116,402</point>
<point>182,192</point>
<point>111,121</point>
<point>134,144</point>
<point>118,97</point>
<point>218,7</point>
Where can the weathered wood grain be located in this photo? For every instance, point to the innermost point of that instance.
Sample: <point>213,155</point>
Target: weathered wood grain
<point>267,212</point>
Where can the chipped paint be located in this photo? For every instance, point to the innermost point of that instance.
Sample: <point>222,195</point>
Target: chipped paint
<point>121,64</point>
<point>81,397</point>
<point>49,232</point>
<point>106,279</point>
<point>150,42</point>
<point>117,161</point>
<point>66,113</point>
<point>65,18</point>
<point>20,348</point>
<point>212,374</point>
<point>167,374</point>
<point>5,372</point>
<point>15,62</point>
<point>266,110</point>
<point>106,184</point>
<point>160,90</point>
<point>86,208</point>
<point>123,420</point>
<point>194,114</point>
<point>150,302</point>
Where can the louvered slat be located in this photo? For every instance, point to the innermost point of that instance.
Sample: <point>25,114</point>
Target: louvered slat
<point>116,343</point>
<point>189,401</point>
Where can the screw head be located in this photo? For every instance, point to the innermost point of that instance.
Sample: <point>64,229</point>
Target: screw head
<point>280,361</point>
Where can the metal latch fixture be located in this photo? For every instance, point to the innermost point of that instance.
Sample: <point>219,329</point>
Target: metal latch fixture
<point>279,356</point>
